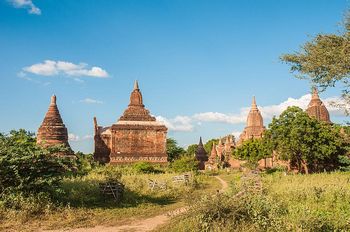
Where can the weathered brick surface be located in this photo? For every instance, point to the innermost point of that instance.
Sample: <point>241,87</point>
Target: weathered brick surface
<point>137,136</point>
<point>316,108</point>
<point>52,130</point>
<point>255,125</point>
<point>201,155</point>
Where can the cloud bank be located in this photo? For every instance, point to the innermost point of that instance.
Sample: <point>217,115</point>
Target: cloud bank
<point>53,68</point>
<point>187,123</point>
<point>27,4</point>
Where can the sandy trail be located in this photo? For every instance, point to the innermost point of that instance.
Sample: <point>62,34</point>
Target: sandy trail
<point>142,225</point>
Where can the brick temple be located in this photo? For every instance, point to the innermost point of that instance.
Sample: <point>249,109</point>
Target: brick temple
<point>52,130</point>
<point>136,136</point>
<point>255,125</point>
<point>316,109</point>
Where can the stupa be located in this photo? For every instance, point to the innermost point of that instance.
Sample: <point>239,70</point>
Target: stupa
<point>52,130</point>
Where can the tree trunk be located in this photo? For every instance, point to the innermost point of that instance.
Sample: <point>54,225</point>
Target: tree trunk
<point>305,166</point>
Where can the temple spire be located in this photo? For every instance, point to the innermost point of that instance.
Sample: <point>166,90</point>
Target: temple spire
<point>53,100</point>
<point>136,85</point>
<point>315,93</point>
<point>200,140</point>
<point>254,106</point>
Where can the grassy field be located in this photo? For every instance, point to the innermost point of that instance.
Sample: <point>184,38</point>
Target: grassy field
<point>317,202</point>
<point>82,205</point>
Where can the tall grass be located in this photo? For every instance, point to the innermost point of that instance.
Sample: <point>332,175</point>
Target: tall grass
<point>81,203</point>
<point>317,202</point>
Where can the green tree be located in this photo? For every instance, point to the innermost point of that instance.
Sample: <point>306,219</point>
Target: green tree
<point>324,60</point>
<point>309,145</point>
<point>253,150</point>
<point>185,164</point>
<point>27,168</point>
<point>191,149</point>
<point>174,151</point>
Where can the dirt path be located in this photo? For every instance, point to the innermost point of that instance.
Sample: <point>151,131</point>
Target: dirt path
<point>143,225</point>
<point>223,183</point>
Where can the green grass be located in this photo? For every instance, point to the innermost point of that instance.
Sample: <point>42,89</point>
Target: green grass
<point>317,202</point>
<point>82,205</point>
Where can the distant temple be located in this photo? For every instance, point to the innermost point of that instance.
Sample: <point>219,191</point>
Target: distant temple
<point>136,136</point>
<point>52,130</point>
<point>201,155</point>
<point>221,153</point>
<point>255,125</point>
<point>316,109</point>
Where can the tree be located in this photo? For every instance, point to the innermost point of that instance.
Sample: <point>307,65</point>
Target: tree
<point>185,164</point>
<point>253,150</point>
<point>309,145</point>
<point>325,60</point>
<point>173,150</point>
<point>191,149</point>
<point>28,168</point>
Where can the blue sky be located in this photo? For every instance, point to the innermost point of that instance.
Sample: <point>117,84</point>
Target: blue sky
<point>198,62</point>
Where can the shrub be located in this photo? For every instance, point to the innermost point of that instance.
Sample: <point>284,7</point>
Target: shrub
<point>185,164</point>
<point>28,169</point>
<point>144,167</point>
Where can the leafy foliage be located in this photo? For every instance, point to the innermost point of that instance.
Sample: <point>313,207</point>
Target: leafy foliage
<point>308,144</point>
<point>324,60</point>
<point>27,168</point>
<point>145,167</point>
<point>174,151</point>
<point>253,150</point>
<point>191,149</point>
<point>185,164</point>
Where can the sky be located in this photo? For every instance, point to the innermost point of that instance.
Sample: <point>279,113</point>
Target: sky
<point>198,62</point>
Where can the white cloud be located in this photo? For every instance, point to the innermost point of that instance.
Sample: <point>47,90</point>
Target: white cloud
<point>28,4</point>
<point>275,110</point>
<point>91,101</point>
<point>52,68</point>
<point>236,134</point>
<point>73,137</point>
<point>220,117</point>
<point>76,138</point>
<point>179,123</point>
<point>187,123</point>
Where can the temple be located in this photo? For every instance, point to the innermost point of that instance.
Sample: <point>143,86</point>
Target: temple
<point>136,136</point>
<point>221,153</point>
<point>316,109</point>
<point>201,155</point>
<point>255,125</point>
<point>52,130</point>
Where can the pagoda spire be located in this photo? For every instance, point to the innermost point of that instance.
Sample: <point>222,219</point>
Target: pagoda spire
<point>315,93</point>
<point>316,108</point>
<point>52,130</point>
<point>53,100</point>
<point>254,106</point>
<point>200,141</point>
<point>136,85</point>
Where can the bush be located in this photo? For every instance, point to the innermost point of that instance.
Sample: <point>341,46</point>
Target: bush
<point>144,167</point>
<point>27,168</point>
<point>185,164</point>
<point>223,212</point>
